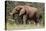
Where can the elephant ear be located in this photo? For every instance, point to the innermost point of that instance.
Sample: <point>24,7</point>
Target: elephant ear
<point>22,11</point>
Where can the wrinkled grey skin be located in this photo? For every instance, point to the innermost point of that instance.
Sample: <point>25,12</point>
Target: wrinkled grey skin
<point>27,12</point>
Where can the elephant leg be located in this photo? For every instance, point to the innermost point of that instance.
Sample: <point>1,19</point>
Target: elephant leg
<point>37,21</point>
<point>27,20</point>
<point>24,19</point>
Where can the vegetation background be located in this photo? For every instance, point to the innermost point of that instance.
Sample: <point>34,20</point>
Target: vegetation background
<point>10,22</point>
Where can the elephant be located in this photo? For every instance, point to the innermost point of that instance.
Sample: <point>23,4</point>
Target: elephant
<point>27,12</point>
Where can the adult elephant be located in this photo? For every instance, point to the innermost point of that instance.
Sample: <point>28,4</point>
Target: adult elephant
<point>28,12</point>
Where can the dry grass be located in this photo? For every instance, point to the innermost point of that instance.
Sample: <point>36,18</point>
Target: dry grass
<point>23,26</point>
